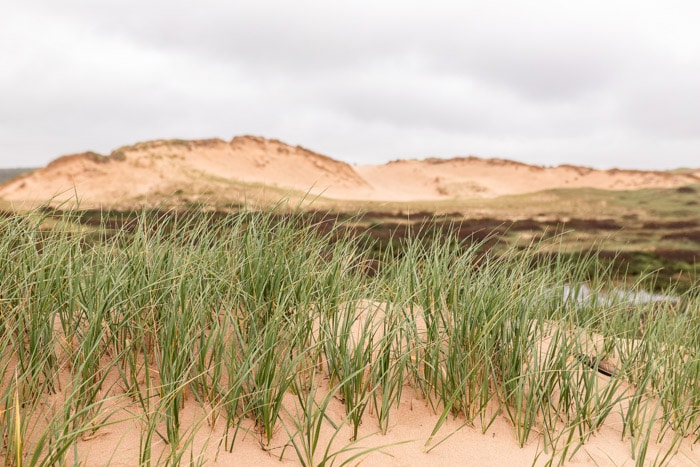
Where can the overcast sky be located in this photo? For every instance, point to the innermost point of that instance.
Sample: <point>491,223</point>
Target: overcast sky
<point>599,83</point>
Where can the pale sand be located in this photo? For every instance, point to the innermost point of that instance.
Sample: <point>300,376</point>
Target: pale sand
<point>411,424</point>
<point>407,441</point>
<point>216,167</point>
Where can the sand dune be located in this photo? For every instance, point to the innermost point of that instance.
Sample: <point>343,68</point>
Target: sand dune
<point>160,168</point>
<point>224,170</point>
<point>472,177</point>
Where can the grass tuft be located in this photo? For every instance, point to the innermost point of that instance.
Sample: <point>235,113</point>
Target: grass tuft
<point>239,315</point>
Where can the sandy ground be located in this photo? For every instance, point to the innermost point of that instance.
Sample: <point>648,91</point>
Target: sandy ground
<point>490,440</point>
<point>405,444</point>
<point>162,168</point>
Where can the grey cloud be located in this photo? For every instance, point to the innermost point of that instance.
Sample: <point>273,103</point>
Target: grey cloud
<point>525,50</point>
<point>667,106</point>
<point>513,79</point>
<point>306,35</point>
<point>458,104</point>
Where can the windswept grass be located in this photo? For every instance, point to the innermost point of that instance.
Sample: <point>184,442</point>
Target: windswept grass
<point>237,314</point>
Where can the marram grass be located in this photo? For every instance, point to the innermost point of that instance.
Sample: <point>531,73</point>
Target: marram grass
<point>234,314</point>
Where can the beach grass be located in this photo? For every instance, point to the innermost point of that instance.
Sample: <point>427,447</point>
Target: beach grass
<point>239,315</point>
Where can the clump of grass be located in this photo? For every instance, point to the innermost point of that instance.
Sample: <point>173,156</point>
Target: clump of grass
<point>234,314</point>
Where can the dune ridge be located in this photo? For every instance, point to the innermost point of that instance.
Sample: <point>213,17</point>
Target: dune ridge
<point>157,169</point>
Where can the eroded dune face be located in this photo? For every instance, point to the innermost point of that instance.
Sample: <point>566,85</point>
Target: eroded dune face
<point>222,170</point>
<point>160,168</point>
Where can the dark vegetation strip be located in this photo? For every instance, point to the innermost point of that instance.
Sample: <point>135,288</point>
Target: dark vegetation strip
<point>660,268</point>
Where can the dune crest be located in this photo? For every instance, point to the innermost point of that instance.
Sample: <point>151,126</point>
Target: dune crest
<point>474,177</point>
<point>156,170</point>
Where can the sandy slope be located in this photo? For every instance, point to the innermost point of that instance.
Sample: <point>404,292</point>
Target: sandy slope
<point>225,170</point>
<point>160,168</point>
<point>475,177</point>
